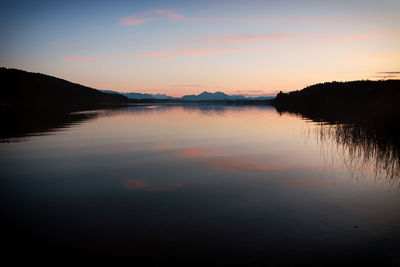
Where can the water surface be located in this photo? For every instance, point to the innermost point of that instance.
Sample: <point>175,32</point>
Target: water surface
<point>197,184</point>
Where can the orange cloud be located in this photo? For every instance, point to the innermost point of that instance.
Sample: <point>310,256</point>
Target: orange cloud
<point>248,37</point>
<point>81,59</point>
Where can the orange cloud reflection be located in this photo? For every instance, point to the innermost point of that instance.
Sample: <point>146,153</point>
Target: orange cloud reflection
<point>230,164</point>
<point>193,153</point>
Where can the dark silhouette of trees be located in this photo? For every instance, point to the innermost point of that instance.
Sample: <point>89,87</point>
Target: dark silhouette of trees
<point>35,103</point>
<point>27,90</point>
<point>362,102</point>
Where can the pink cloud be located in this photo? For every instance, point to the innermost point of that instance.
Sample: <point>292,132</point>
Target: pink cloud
<point>248,37</point>
<point>128,21</point>
<point>169,13</point>
<point>81,59</point>
<point>190,52</point>
<point>150,16</point>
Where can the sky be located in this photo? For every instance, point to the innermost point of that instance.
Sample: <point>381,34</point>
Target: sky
<point>247,47</point>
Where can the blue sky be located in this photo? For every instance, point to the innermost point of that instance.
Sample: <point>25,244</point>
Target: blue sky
<point>184,47</point>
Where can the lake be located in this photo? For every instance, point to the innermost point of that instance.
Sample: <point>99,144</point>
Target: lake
<point>204,184</point>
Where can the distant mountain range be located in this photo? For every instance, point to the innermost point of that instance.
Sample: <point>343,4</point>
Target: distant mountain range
<point>204,96</point>
<point>139,95</point>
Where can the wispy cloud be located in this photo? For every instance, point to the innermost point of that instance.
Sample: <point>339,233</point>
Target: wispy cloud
<point>318,20</point>
<point>248,37</point>
<point>128,21</point>
<point>80,59</point>
<point>388,33</point>
<point>302,20</point>
<point>149,16</point>
<point>387,75</point>
<point>169,13</point>
<point>389,72</point>
<point>361,37</point>
<point>191,52</point>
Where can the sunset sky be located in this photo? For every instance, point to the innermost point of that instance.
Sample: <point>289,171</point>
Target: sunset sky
<point>185,47</point>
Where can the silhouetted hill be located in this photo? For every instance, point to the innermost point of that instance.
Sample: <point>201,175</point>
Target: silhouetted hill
<point>361,102</point>
<point>27,90</point>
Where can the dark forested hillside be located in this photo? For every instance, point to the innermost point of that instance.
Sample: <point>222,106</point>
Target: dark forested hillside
<point>21,89</point>
<point>363,102</point>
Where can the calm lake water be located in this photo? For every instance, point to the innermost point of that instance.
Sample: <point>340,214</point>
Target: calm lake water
<point>197,184</point>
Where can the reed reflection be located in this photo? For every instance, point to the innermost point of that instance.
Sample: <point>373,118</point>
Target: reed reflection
<point>363,150</point>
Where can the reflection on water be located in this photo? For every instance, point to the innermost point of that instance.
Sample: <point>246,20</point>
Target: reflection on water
<point>200,184</point>
<point>363,151</point>
<point>19,125</point>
